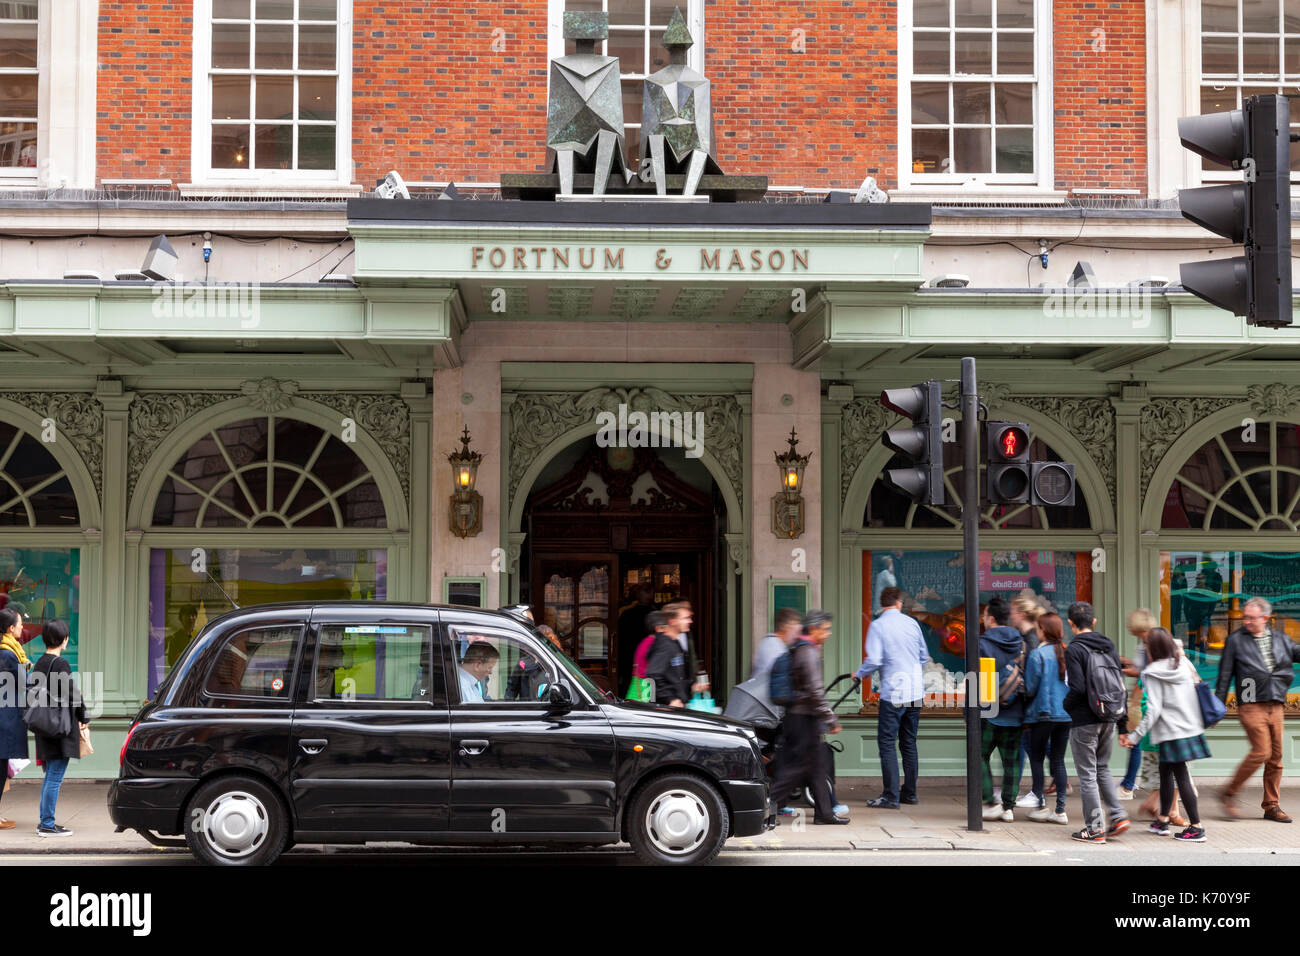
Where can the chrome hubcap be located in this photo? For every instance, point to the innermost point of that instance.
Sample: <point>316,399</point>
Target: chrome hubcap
<point>677,822</point>
<point>235,824</point>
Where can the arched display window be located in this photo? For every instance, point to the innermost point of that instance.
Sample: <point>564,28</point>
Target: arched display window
<point>261,510</point>
<point>1043,552</point>
<point>40,521</point>
<point>1228,533</point>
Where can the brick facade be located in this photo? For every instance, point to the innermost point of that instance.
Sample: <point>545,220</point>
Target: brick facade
<point>806,94</point>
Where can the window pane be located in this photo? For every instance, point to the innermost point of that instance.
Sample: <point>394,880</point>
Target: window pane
<point>930,53</point>
<point>230,97</point>
<point>1016,53</point>
<point>661,11</point>
<point>316,97</point>
<point>1259,16</point>
<point>970,102</point>
<point>18,45</point>
<point>971,148</point>
<point>230,9</point>
<point>632,100</point>
<point>275,9</point>
<point>372,662</point>
<point>1260,56</point>
<point>974,13</point>
<point>256,663</point>
<point>17,145</point>
<point>658,55</point>
<point>930,13</point>
<point>43,584</point>
<point>974,53</point>
<point>230,147</point>
<point>1015,13</point>
<point>1293,57</point>
<point>1219,16</point>
<point>316,147</point>
<point>30,465</point>
<point>1218,100</point>
<point>587,6</point>
<point>1291,18</point>
<point>230,46</point>
<point>274,98</point>
<point>1014,103</point>
<point>1219,56</point>
<point>18,96</point>
<point>929,150</point>
<point>1015,150</point>
<point>275,47</point>
<point>630,50</point>
<point>316,9</point>
<point>626,11</point>
<point>929,102</point>
<point>316,47</point>
<point>274,147</point>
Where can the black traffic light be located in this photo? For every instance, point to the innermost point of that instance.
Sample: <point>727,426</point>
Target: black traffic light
<point>1256,212</point>
<point>1008,462</point>
<point>923,444</point>
<point>1051,483</point>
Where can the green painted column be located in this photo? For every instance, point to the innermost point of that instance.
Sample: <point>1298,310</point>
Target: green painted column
<point>420,587</point>
<point>847,632</point>
<point>114,646</point>
<point>1130,581</point>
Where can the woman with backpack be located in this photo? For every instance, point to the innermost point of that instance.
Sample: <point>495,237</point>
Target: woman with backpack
<point>55,750</point>
<point>1173,719</point>
<point>1047,723</point>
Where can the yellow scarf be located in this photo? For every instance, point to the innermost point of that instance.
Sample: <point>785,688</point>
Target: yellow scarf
<point>10,643</point>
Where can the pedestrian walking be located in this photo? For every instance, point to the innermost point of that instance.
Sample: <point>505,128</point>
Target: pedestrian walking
<point>1097,704</point>
<point>56,750</point>
<point>1001,720</point>
<point>671,662</point>
<point>789,626</point>
<point>896,650</point>
<point>803,759</point>
<point>1258,659</point>
<point>1143,765</point>
<point>1045,718</point>
<point>1173,721</point>
<point>13,693</point>
<point>1025,611</point>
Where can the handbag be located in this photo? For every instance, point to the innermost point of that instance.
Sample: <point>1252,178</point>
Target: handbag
<point>86,748</point>
<point>46,716</point>
<point>1212,709</point>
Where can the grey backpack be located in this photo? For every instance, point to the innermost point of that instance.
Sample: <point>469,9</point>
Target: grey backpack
<point>1104,686</point>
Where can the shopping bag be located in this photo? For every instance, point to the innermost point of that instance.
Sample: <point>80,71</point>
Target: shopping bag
<point>1212,709</point>
<point>86,748</point>
<point>641,689</point>
<point>16,765</point>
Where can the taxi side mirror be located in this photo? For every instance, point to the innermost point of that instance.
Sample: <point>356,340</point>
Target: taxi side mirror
<point>559,697</point>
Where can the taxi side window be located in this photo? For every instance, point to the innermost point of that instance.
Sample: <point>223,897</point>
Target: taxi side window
<point>256,662</point>
<point>493,666</point>
<point>372,662</point>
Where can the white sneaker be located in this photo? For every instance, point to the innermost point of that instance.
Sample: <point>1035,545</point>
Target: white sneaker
<point>1055,817</point>
<point>1007,816</point>
<point>1029,800</point>
<point>994,812</point>
<point>1123,794</point>
<point>1041,815</point>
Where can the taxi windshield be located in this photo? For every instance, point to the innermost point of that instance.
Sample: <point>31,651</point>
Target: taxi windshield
<point>576,673</point>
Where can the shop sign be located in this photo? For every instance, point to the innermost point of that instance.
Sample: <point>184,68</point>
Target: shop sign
<point>693,259</point>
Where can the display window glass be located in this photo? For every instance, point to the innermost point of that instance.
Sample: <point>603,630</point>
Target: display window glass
<point>43,584</point>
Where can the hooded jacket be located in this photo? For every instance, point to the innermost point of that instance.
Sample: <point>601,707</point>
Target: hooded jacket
<point>1003,644</point>
<point>1173,709</point>
<point>1076,675</point>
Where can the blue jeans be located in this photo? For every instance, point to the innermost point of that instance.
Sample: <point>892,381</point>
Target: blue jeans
<point>897,724</point>
<point>54,771</point>
<point>1134,764</point>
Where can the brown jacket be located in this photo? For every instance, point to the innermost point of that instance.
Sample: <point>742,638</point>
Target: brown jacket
<point>806,674</point>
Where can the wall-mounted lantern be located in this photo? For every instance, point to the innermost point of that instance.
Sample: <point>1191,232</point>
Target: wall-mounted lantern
<point>466,503</point>
<point>787,504</point>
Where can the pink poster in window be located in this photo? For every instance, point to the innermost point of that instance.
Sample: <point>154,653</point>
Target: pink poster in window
<point>1017,570</point>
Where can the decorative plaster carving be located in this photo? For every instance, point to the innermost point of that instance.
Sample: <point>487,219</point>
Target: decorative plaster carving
<point>861,422</point>
<point>1275,400</point>
<point>538,418</point>
<point>1091,421</point>
<point>633,302</point>
<point>569,302</point>
<point>693,304</point>
<point>1164,421</point>
<point>385,418</point>
<point>736,548</point>
<point>77,417</point>
<point>270,395</point>
<point>152,417</point>
<point>757,303</point>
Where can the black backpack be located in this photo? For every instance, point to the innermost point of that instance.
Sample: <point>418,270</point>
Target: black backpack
<point>780,684</point>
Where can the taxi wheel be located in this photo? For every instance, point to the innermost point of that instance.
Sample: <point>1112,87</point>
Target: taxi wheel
<point>236,821</point>
<point>678,819</point>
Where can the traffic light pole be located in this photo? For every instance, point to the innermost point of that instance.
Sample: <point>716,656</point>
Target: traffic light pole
<point>970,522</point>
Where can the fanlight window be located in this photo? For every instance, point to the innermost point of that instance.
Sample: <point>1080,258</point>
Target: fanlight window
<point>269,473</point>
<point>1244,479</point>
<point>887,508</point>
<point>34,490</point>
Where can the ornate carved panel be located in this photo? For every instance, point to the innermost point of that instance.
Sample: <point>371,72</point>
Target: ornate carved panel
<point>78,417</point>
<point>1164,421</point>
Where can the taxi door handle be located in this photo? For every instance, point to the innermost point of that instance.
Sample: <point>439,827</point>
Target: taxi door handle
<point>313,747</point>
<point>471,748</point>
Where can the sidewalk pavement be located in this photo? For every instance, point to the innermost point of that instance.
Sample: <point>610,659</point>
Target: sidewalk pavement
<point>936,823</point>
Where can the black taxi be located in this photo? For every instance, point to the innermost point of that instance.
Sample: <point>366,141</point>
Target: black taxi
<point>351,722</point>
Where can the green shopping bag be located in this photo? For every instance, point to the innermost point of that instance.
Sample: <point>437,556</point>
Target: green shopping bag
<point>642,690</point>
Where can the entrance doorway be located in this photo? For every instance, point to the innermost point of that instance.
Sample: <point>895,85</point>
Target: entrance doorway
<point>614,533</point>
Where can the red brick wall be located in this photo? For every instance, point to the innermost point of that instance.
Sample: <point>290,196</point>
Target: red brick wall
<point>1100,94</point>
<point>823,117</point>
<point>432,98</point>
<point>144,90</point>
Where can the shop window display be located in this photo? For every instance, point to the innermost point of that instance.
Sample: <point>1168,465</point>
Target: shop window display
<point>933,589</point>
<point>188,587</point>
<point>43,584</point>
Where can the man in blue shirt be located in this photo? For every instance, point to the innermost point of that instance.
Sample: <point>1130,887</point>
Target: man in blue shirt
<point>480,660</point>
<point>896,648</point>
